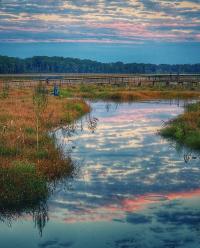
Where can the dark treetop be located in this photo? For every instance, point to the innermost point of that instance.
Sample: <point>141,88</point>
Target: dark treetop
<point>44,64</point>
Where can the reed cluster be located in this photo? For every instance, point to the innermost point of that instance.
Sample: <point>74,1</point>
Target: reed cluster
<point>29,157</point>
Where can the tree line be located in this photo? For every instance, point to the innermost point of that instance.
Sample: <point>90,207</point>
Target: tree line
<point>45,64</point>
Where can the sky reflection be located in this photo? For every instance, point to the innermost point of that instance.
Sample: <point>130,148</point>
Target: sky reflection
<point>125,164</point>
<point>131,189</point>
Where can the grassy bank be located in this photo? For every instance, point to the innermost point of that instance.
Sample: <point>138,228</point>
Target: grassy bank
<point>18,128</point>
<point>93,91</point>
<point>185,129</point>
<point>28,156</point>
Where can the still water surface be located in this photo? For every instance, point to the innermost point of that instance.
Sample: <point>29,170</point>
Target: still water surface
<point>131,187</point>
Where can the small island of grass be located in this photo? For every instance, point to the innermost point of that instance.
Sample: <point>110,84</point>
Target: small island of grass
<point>185,129</point>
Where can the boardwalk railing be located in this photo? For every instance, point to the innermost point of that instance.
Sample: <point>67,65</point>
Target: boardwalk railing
<point>102,79</point>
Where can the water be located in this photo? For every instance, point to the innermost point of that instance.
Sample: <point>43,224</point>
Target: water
<point>131,188</point>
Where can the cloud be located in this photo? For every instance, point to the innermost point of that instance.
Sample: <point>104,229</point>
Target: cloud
<point>99,21</point>
<point>124,209</point>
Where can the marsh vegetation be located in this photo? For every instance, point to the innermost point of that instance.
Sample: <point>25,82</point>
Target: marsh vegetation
<point>30,160</point>
<point>185,129</point>
<point>123,162</point>
<point>130,93</point>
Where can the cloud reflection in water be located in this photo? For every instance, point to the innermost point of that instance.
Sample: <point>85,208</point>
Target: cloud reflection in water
<point>125,165</point>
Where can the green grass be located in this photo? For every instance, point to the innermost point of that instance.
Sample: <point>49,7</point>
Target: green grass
<point>21,186</point>
<point>130,93</point>
<point>8,151</point>
<point>185,129</point>
<point>41,154</point>
<point>73,109</point>
<point>193,107</point>
<point>30,130</point>
<point>5,91</point>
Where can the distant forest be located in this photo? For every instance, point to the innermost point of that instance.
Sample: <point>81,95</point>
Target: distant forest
<point>44,64</point>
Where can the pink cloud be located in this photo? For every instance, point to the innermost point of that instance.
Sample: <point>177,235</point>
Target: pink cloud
<point>119,210</point>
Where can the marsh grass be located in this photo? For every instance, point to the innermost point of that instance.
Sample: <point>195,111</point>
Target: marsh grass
<point>25,123</point>
<point>8,151</point>
<point>22,192</point>
<point>4,90</point>
<point>185,129</point>
<point>130,93</point>
<point>18,131</point>
<point>27,172</point>
<point>40,101</point>
<point>21,186</point>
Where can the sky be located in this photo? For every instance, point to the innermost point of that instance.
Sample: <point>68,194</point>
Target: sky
<point>151,31</point>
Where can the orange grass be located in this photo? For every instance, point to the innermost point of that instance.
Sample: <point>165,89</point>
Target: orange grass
<point>18,135</point>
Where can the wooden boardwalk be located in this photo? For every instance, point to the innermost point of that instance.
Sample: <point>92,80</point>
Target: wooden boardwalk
<point>119,80</point>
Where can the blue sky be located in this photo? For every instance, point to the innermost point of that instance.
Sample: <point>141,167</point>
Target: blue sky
<point>149,31</point>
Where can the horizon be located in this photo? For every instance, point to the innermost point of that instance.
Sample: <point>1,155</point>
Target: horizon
<point>136,31</point>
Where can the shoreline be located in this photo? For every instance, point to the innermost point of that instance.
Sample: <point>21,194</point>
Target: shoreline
<point>185,129</point>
